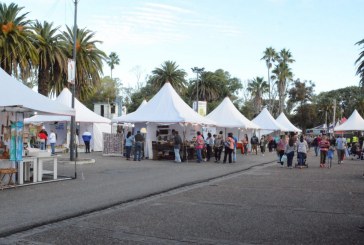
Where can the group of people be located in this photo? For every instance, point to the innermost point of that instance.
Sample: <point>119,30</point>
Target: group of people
<point>136,141</point>
<point>44,138</point>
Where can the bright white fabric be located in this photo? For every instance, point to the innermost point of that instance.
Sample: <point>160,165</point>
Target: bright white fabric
<point>18,97</point>
<point>354,123</point>
<point>226,115</point>
<point>283,120</point>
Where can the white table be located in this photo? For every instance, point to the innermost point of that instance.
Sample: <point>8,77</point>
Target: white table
<point>40,166</point>
<point>24,169</point>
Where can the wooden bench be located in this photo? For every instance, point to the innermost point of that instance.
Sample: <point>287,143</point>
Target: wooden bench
<point>10,172</point>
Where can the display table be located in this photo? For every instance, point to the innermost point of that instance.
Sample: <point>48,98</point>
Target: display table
<point>7,173</point>
<point>41,171</point>
<point>24,169</point>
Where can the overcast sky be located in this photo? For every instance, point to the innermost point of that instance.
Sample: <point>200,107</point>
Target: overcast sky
<point>214,34</point>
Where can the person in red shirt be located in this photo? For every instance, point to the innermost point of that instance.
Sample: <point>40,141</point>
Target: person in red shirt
<point>324,147</point>
<point>43,137</point>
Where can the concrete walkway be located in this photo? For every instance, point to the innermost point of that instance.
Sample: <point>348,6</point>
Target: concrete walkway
<point>266,204</point>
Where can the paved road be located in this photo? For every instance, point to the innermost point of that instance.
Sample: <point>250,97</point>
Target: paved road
<point>264,205</point>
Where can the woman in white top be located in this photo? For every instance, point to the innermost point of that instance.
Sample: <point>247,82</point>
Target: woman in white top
<point>302,148</point>
<point>52,141</point>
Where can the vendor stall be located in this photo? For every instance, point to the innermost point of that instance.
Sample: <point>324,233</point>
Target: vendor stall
<point>15,104</point>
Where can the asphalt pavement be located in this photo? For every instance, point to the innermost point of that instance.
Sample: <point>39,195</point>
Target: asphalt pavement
<point>254,201</point>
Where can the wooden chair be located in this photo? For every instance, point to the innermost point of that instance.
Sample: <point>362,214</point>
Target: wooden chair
<point>10,172</point>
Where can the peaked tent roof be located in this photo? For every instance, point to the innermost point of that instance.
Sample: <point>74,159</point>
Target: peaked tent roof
<point>265,121</point>
<point>354,123</point>
<point>227,115</point>
<point>122,118</point>
<point>167,107</point>
<point>18,97</point>
<point>83,114</point>
<point>283,120</point>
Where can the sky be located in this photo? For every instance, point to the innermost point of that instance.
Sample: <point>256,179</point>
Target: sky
<point>214,34</point>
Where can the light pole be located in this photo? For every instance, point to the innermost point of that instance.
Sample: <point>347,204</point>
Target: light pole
<point>73,123</point>
<point>197,71</point>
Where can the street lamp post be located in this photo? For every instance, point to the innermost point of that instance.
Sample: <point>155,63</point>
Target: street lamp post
<point>73,123</point>
<point>197,71</point>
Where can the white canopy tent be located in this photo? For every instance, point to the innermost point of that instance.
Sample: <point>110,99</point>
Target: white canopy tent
<point>19,98</point>
<point>283,120</point>
<point>165,108</point>
<point>226,115</point>
<point>85,118</point>
<point>354,123</point>
<point>124,118</point>
<point>267,123</point>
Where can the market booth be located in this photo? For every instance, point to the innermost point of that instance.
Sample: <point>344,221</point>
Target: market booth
<point>16,103</point>
<point>163,113</point>
<point>268,124</point>
<point>228,118</point>
<point>86,120</point>
<point>283,120</point>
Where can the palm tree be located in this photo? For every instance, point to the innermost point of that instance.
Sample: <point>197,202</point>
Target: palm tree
<point>169,72</point>
<point>208,87</point>
<point>16,41</point>
<point>360,63</point>
<point>282,74</point>
<point>88,61</point>
<point>258,87</point>
<point>112,60</point>
<point>51,55</point>
<point>285,56</point>
<point>270,56</point>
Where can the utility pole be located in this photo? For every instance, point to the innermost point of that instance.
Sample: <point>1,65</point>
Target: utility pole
<point>334,115</point>
<point>73,121</point>
<point>197,71</point>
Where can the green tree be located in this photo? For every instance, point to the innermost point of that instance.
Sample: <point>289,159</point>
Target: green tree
<point>169,72</point>
<point>282,74</point>
<point>258,87</point>
<point>112,60</point>
<point>51,56</point>
<point>16,41</point>
<point>270,56</point>
<point>88,61</point>
<point>360,63</point>
<point>105,91</point>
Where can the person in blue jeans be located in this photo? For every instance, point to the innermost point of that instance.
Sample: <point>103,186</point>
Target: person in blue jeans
<point>289,151</point>
<point>129,141</point>
<point>139,139</point>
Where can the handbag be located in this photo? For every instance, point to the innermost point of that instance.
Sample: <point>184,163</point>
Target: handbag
<point>284,158</point>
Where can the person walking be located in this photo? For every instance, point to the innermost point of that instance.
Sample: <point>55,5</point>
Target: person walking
<point>86,137</point>
<point>245,144</point>
<point>262,144</point>
<point>340,149</point>
<point>52,141</point>
<point>229,147</point>
<point>289,151</point>
<point>324,147</point>
<point>129,141</point>
<point>302,149</point>
<point>281,146</point>
<point>177,142</point>
<point>139,139</point>
<point>218,146</point>
<point>209,145</point>
<point>235,146</point>
<point>254,141</point>
<point>199,145</point>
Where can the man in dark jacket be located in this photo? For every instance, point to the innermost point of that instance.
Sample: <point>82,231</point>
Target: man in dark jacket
<point>139,139</point>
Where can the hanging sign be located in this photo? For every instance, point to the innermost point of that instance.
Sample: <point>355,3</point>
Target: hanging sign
<point>71,71</point>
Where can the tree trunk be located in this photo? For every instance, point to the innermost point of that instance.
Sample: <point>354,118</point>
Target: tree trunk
<point>43,80</point>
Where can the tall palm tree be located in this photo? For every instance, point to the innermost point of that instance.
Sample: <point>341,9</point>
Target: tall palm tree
<point>16,41</point>
<point>270,56</point>
<point>285,56</point>
<point>169,72</point>
<point>88,61</point>
<point>258,87</point>
<point>360,63</point>
<point>208,87</point>
<point>112,60</point>
<point>282,74</point>
<point>51,55</point>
